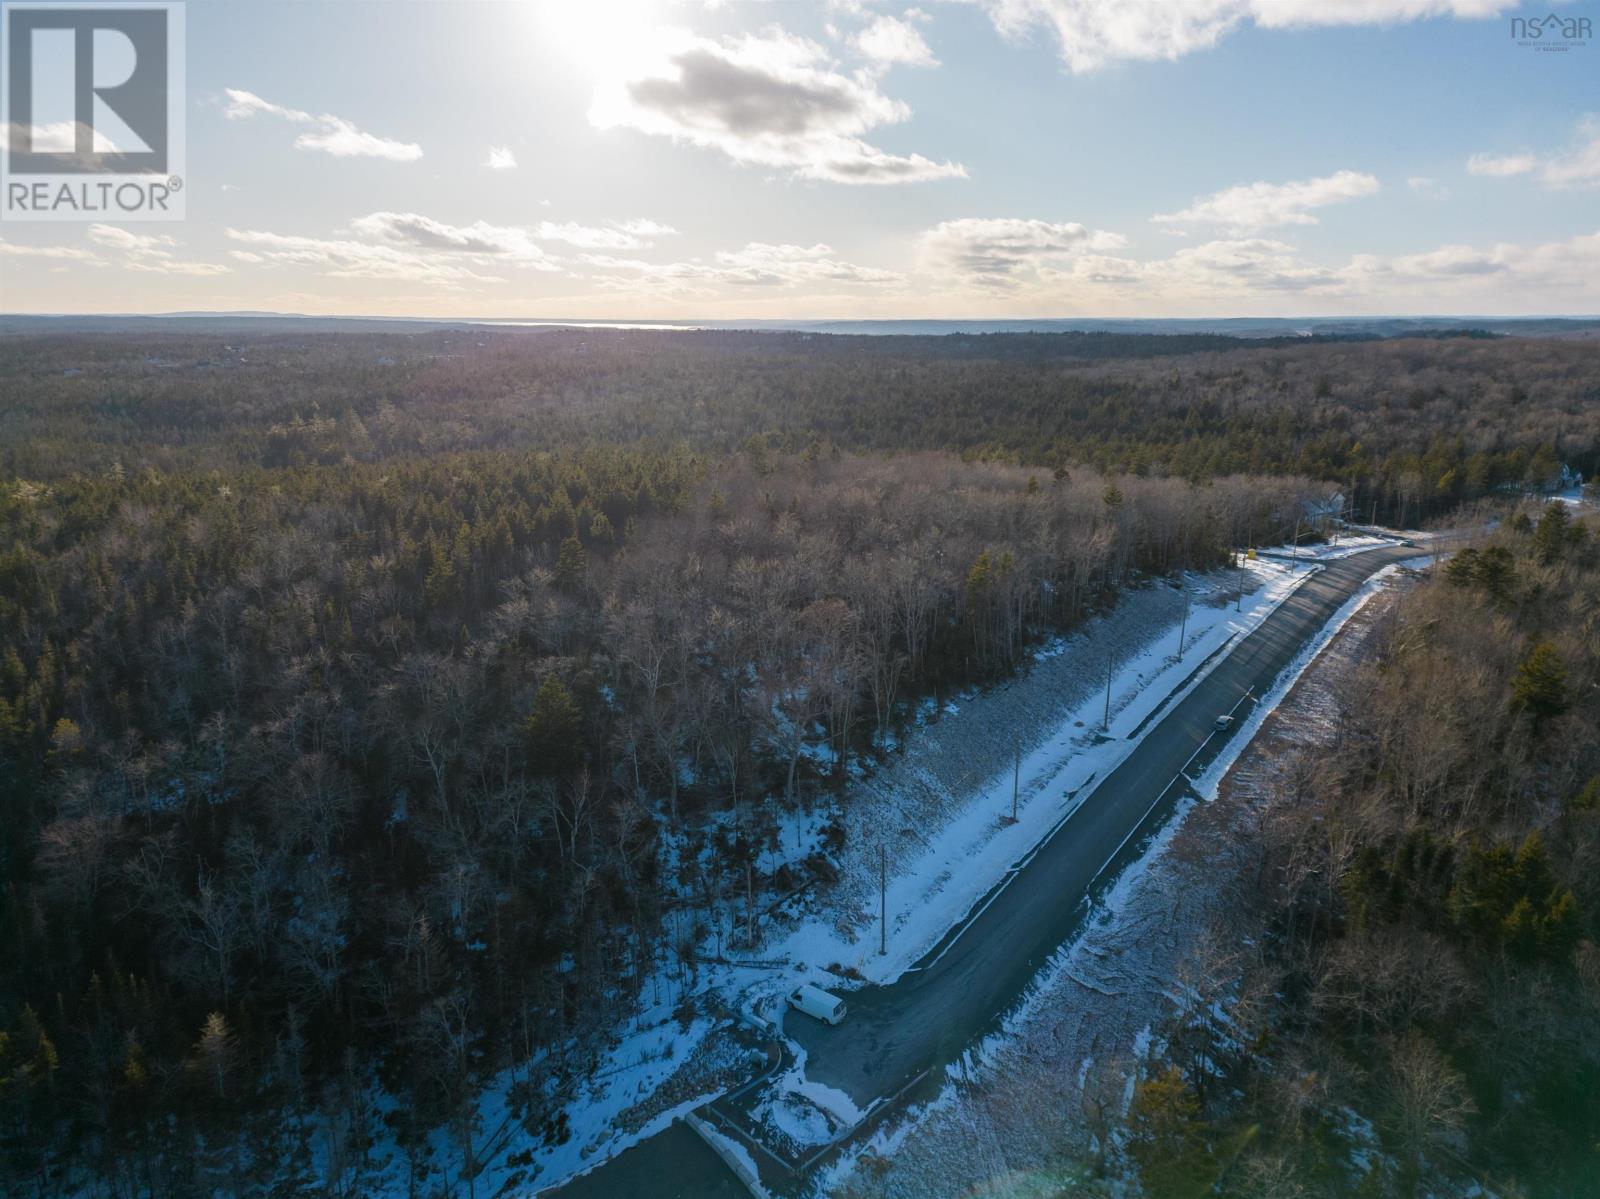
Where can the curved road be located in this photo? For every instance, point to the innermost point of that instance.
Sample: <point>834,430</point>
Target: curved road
<point>966,983</point>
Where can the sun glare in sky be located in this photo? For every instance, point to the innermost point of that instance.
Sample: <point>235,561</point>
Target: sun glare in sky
<point>661,159</point>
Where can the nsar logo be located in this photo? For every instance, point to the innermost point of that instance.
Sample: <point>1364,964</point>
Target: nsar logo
<point>1554,31</point>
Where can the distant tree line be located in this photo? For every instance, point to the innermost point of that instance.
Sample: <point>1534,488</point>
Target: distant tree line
<point>1408,428</point>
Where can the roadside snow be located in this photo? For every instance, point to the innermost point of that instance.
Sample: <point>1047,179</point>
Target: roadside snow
<point>633,1069</point>
<point>727,1147</point>
<point>942,812</point>
<point>1354,543</point>
<point>1206,784</point>
<point>1062,1067</point>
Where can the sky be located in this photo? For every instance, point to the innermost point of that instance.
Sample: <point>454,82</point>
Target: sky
<point>647,159</point>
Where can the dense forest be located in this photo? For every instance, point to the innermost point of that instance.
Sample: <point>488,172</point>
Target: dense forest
<point>368,702</point>
<point>1413,427</point>
<point>1433,895</point>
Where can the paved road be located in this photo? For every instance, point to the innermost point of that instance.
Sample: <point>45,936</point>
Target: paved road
<point>966,983</point>
<point>674,1164</point>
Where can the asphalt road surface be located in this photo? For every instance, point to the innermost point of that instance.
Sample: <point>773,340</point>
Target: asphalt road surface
<point>968,981</point>
<point>673,1164</point>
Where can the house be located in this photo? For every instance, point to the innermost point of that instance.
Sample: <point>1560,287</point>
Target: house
<point>1319,512</point>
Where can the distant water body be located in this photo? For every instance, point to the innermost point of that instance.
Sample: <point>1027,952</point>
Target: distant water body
<point>1385,326</point>
<point>1244,327</point>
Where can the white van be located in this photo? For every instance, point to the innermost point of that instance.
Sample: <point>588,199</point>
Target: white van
<point>814,1001</point>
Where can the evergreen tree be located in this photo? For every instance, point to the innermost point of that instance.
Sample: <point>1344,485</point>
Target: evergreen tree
<point>1550,539</point>
<point>553,730</point>
<point>571,561</point>
<point>1167,1138</point>
<point>214,1053</point>
<point>1540,684</point>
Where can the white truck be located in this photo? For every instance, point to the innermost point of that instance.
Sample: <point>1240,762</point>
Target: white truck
<point>816,1002</point>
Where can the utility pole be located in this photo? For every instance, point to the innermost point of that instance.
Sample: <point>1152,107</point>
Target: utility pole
<point>1016,773</point>
<point>1295,553</point>
<point>1105,724</point>
<point>883,900</point>
<point>1183,626</point>
<point>1238,596</point>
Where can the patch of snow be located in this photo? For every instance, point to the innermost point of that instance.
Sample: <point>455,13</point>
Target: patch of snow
<point>801,1122</point>
<point>1141,1044</point>
<point>1206,784</point>
<point>942,812</point>
<point>732,1148</point>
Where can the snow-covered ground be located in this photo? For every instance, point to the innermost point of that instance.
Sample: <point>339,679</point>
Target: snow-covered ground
<point>802,1112</point>
<point>1576,497</point>
<point>1026,1111</point>
<point>736,1155</point>
<point>942,812</point>
<point>1341,547</point>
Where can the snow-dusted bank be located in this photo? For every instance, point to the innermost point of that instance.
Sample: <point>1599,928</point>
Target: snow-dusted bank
<point>950,841</point>
<point>1089,1012</point>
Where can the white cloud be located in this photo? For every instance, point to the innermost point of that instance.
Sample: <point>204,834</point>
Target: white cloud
<point>1212,272</point>
<point>1544,277</point>
<point>150,252</point>
<point>770,100</point>
<point>1576,166</point>
<point>891,41</point>
<point>1249,264</point>
<point>52,133</point>
<point>1261,205</point>
<point>764,261</point>
<point>414,247</point>
<point>500,159</point>
<point>60,253</point>
<point>480,238</point>
<point>242,105</point>
<point>516,242</point>
<point>334,135</point>
<point>643,227</point>
<point>1001,251</point>
<point>1035,266</point>
<point>1444,263</point>
<point>1500,166</point>
<point>118,238</point>
<point>619,235</point>
<point>1093,33</point>
<point>348,258</point>
<point>758,264</point>
<point>344,140</point>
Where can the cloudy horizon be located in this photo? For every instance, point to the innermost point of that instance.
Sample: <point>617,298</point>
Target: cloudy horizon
<point>636,159</point>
